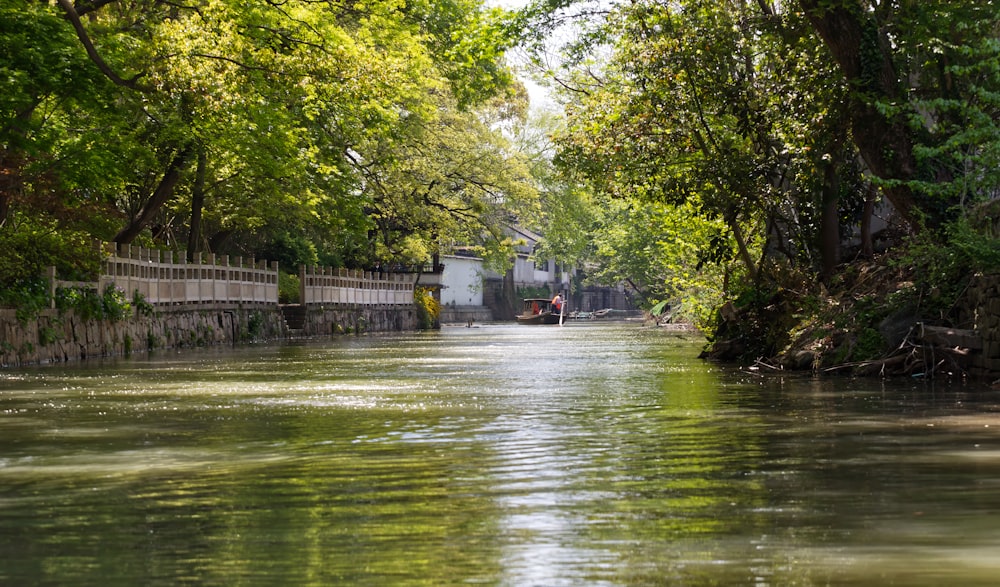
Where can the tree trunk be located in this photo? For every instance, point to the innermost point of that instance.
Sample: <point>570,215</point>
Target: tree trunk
<point>867,245</point>
<point>10,184</point>
<point>829,228</point>
<point>829,239</point>
<point>864,57</point>
<point>741,245</point>
<point>161,195</point>
<point>197,203</point>
<point>507,303</point>
<point>12,160</point>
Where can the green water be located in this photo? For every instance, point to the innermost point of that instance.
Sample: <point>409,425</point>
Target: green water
<point>503,455</point>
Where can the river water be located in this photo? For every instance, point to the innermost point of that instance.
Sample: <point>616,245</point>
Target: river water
<point>591,454</point>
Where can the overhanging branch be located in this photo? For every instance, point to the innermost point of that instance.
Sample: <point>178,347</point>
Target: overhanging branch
<point>88,45</point>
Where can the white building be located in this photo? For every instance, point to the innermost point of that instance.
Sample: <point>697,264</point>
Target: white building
<point>469,292</point>
<point>461,281</point>
<point>529,272</point>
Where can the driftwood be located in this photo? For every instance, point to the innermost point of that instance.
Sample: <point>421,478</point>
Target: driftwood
<point>955,338</point>
<point>926,351</point>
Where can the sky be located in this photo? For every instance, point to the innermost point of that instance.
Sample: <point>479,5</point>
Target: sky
<point>538,94</point>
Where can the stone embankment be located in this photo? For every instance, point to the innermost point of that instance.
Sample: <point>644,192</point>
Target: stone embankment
<point>976,348</point>
<point>970,347</point>
<point>63,336</point>
<point>325,320</point>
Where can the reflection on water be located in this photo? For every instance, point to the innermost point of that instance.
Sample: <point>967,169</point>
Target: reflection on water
<point>501,455</point>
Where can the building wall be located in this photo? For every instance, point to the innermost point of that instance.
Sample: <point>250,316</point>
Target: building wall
<point>524,270</point>
<point>462,281</point>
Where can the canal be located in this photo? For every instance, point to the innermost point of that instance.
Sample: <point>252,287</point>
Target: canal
<point>591,454</point>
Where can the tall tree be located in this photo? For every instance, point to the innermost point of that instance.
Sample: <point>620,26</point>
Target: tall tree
<point>908,66</point>
<point>694,108</point>
<point>216,121</point>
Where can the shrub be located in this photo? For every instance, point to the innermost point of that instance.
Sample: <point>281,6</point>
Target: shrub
<point>141,305</point>
<point>115,304</point>
<point>30,296</point>
<point>428,309</point>
<point>88,305</point>
<point>30,245</point>
<point>288,288</point>
<point>255,325</point>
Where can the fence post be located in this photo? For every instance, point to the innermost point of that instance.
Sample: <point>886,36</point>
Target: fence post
<point>302,284</point>
<point>277,277</point>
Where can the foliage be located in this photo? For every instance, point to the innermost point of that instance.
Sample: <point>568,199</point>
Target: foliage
<point>313,131</point>
<point>28,247</point>
<point>290,251</point>
<point>954,109</point>
<point>115,304</point>
<point>31,245</point>
<point>453,180</point>
<point>112,304</point>
<point>700,135</point>
<point>751,130</point>
<point>28,296</point>
<point>531,291</point>
<point>941,264</point>
<point>659,251</point>
<point>289,288</point>
<point>428,308</point>
<point>981,250</point>
<point>255,325</point>
<point>48,335</point>
<point>141,306</point>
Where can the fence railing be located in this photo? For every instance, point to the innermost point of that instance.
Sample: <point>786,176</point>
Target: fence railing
<point>208,279</point>
<point>326,285</point>
<point>161,280</point>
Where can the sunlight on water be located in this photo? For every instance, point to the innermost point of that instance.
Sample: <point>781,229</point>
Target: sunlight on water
<point>593,454</point>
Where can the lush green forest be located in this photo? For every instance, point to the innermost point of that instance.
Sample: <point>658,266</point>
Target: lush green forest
<point>821,165</point>
<point>339,133</point>
<point>807,166</point>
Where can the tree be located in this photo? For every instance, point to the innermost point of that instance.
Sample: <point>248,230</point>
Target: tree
<point>918,73</point>
<point>451,181</point>
<point>694,108</point>
<point>46,83</point>
<point>227,125</point>
<point>753,110</point>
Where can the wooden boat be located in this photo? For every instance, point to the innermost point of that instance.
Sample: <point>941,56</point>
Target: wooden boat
<point>538,311</point>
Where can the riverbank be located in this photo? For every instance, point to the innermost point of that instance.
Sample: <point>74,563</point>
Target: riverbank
<point>879,320</point>
<point>61,336</point>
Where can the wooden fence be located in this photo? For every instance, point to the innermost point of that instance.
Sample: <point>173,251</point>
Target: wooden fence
<point>326,285</point>
<point>208,279</point>
<point>162,281</point>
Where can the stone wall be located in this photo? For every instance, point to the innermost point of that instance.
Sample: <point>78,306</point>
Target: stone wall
<point>465,314</point>
<point>63,336</point>
<point>327,320</point>
<point>970,347</point>
<point>981,309</point>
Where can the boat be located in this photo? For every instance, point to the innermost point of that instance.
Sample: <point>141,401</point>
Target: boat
<point>538,311</point>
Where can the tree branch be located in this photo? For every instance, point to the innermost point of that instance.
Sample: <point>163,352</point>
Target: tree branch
<point>84,8</point>
<point>88,45</point>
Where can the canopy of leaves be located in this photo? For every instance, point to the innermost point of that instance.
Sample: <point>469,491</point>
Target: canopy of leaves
<point>771,122</point>
<point>229,126</point>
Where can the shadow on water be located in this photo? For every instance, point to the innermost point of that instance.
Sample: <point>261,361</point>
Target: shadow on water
<point>502,455</point>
